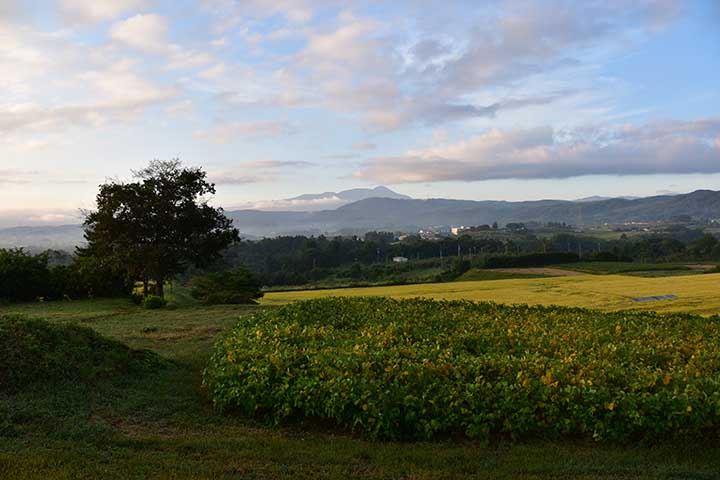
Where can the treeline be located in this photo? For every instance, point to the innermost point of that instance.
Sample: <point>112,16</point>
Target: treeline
<point>300,260</point>
<point>26,277</point>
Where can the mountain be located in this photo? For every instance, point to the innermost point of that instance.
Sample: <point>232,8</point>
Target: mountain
<point>313,202</point>
<point>62,237</point>
<point>411,214</point>
<point>383,213</point>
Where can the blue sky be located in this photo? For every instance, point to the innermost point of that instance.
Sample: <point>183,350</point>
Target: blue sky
<point>513,100</point>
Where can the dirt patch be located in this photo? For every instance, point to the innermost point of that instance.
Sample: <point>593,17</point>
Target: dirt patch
<point>550,272</point>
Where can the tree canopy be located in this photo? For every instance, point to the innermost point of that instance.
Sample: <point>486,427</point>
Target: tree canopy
<point>159,224</point>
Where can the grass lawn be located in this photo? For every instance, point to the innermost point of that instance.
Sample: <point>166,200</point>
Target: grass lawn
<point>161,425</point>
<point>614,268</point>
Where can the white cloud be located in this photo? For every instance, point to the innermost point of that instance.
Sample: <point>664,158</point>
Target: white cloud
<point>231,131</point>
<point>147,32</point>
<point>181,108</point>
<point>233,12</point>
<point>543,152</point>
<point>275,164</point>
<point>113,94</point>
<point>214,72</point>
<point>295,204</point>
<point>16,176</point>
<point>231,178</point>
<point>53,218</point>
<point>364,146</point>
<point>93,11</point>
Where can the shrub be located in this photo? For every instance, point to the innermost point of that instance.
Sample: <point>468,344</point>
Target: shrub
<point>608,257</point>
<point>153,302</point>
<point>530,260</point>
<point>230,287</point>
<point>421,368</point>
<point>23,277</point>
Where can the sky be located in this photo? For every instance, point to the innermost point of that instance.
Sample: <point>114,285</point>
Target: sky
<point>507,100</point>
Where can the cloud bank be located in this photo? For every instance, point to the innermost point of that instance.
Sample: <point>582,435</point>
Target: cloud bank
<point>545,152</point>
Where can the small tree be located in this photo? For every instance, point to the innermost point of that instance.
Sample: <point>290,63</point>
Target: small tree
<point>157,226</point>
<point>228,287</point>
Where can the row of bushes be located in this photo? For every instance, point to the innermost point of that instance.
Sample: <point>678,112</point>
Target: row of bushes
<point>530,260</point>
<point>25,277</point>
<point>422,368</point>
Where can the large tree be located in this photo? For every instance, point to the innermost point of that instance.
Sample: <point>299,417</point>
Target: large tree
<point>159,224</point>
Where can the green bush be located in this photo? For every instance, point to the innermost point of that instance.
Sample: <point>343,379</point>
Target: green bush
<point>23,277</point>
<point>35,351</point>
<point>422,368</point>
<point>153,302</point>
<point>530,260</point>
<point>229,287</point>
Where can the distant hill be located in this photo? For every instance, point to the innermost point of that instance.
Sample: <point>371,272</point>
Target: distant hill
<point>409,214</point>
<point>62,237</point>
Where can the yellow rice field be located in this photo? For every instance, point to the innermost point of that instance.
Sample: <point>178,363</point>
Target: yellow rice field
<point>696,293</point>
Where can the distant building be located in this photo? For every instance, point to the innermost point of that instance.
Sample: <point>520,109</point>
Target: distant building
<point>400,259</point>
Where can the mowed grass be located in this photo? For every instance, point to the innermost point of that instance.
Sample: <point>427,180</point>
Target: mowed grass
<point>162,425</point>
<point>698,294</point>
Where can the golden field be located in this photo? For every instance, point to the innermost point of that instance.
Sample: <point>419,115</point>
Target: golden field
<point>698,294</point>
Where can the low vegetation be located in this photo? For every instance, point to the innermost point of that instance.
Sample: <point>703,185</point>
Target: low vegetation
<point>228,287</point>
<point>614,268</point>
<point>695,293</point>
<point>35,351</point>
<point>25,277</point>
<point>421,368</point>
<point>160,424</point>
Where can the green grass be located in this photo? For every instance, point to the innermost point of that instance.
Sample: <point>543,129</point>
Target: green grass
<point>615,268</point>
<point>161,425</point>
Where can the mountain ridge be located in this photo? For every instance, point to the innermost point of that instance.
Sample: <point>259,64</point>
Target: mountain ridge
<point>377,213</point>
<point>398,214</point>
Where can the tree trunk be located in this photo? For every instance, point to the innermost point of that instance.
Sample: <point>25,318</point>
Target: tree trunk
<point>146,287</point>
<point>160,287</point>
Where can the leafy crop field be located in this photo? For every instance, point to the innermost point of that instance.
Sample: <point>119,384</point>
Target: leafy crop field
<point>696,293</point>
<point>419,368</point>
